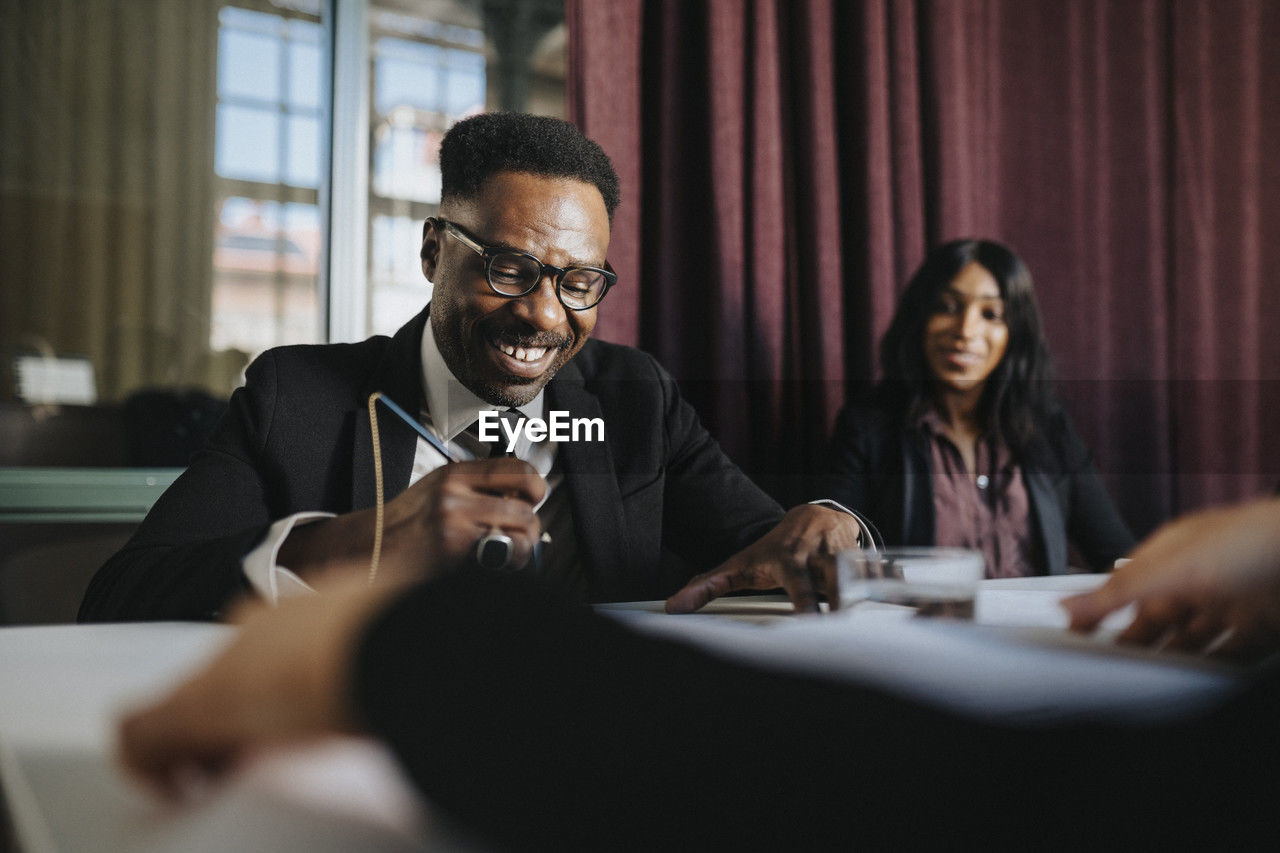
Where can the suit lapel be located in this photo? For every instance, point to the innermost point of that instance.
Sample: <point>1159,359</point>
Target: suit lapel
<point>398,376</point>
<point>917,497</point>
<point>592,480</point>
<point>1048,515</point>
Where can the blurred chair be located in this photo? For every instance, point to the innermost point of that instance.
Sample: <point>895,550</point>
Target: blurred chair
<point>71,492</point>
<point>165,426</point>
<point>45,568</point>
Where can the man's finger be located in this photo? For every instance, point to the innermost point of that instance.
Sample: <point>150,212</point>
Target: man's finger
<point>160,747</point>
<point>522,542</point>
<point>1200,630</point>
<point>506,476</point>
<point>1090,608</point>
<point>1154,620</point>
<point>799,587</point>
<point>1250,637</point>
<point>491,511</point>
<point>822,567</point>
<point>1244,647</point>
<point>702,589</point>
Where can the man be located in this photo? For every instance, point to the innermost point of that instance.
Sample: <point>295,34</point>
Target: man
<point>549,726</point>
<point>285,489</point>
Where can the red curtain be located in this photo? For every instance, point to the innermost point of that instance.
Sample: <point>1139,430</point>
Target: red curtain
<point>787,163</point>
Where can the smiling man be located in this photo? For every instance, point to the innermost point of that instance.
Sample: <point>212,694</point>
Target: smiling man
<point>285,489</point>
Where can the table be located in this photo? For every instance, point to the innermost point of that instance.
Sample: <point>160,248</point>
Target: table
<point>1016,660</point>
<point>63,687</point>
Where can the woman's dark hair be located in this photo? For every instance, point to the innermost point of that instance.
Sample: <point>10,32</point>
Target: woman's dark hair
<point>1018,391</point>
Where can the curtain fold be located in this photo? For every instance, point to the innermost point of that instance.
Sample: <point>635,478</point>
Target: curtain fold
<point>106,173</point>
<point>1226,357</point>
<point>791,162</point>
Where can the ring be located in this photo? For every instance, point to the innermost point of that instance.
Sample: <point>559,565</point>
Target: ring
<point>493,551</point>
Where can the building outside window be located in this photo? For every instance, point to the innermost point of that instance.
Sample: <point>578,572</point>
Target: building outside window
<point>184,151</point>
<point>268,162</point>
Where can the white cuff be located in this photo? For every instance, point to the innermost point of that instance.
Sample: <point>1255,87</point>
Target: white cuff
<point>269,580</point>
<point>830,504</point>
<point>868,537</point>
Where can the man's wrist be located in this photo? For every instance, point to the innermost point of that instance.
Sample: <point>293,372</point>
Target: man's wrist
<point>836,505</point>
<point>868,536</point>
<point>261,566</point>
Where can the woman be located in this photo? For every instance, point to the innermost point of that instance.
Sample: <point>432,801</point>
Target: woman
<point>962,442</point>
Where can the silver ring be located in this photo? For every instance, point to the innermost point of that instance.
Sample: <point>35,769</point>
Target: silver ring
<point>494,550</point>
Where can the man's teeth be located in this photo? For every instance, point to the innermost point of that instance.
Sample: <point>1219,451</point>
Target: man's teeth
<point>522,354</point>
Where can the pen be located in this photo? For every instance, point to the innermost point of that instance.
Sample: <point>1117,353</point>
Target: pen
<point>418,428</point>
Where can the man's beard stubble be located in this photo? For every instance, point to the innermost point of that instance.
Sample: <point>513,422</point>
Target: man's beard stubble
<point>462,361</point>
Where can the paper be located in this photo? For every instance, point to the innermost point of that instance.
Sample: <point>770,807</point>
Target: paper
<point>1016,661</point>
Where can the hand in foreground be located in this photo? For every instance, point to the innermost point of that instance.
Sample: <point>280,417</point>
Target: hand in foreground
<point>282,679</point>
<point>797,555</point>
<point>433,525</point>
<point>1208,581</point>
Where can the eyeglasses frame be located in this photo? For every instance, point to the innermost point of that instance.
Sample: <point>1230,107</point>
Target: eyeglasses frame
<point>490,252</point>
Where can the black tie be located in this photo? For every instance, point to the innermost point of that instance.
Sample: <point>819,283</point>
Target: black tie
<point>513,419</point>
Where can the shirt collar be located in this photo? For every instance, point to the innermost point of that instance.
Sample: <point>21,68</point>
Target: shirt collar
<point>930,420</point>
<point>451,404</point>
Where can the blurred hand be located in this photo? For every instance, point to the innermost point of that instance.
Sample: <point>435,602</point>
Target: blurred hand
<point>797,555</point>
<point>282,679</point>
<point>1208,580</point>
<point>432,526</point>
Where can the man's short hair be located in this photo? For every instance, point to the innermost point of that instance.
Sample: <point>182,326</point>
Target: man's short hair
<point>481,146</point>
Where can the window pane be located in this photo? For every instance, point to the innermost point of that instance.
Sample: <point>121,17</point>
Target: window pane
<point>266,257</point>
<point>267,246</point>
<point>428,71</point>
<point>248,65</point>
<point>248,143</point>
<point>302,168</point>
<point>398,287</point>
<point>394,251</point>
<point>411,78</point>
<point>304,32</point>
<point>304,76</point>
<point>405,161</point>
<point>233,17</point>
<point>465,93</point>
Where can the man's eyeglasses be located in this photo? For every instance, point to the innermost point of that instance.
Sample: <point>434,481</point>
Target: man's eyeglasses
<point>511,272</point>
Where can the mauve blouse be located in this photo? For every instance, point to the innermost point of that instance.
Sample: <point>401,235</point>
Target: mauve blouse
<point>991,515</point>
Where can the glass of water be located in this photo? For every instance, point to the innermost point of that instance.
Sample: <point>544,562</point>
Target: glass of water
<point>936,581</point>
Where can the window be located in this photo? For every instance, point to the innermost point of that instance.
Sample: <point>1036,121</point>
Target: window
<point>169,177</point>
<point>425,76</point>
<point>267,159</point>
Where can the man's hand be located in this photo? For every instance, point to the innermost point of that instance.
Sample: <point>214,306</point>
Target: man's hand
<point>797,555</point>
<point>433,525</point>
<point>282,679</point>
<point>1205,581</point>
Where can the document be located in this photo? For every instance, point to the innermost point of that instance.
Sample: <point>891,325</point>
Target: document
<point>1015,661</point>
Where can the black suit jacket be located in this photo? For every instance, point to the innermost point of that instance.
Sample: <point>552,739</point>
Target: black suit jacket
<point>297,438</point>
<point>881,468</point>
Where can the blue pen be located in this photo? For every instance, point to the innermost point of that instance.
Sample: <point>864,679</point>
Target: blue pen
<point>418,428</point>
